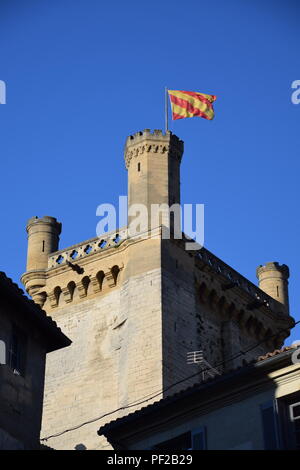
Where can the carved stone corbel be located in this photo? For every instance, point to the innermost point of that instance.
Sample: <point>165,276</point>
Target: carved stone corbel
<point>95,284</point>
<point>81,290</point>
<point>110,279</point>
<point>67,295</point>
<point>53,299</point>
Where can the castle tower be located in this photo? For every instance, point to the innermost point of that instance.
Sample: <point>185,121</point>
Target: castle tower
<point>134,308</point>
<point>273,279</point>
<point>153,164</point>
<point>43,238</point>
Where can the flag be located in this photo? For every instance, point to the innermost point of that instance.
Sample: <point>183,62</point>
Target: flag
<point>191,103</point>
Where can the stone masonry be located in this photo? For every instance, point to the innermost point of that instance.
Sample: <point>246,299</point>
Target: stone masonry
<point>135,306</point>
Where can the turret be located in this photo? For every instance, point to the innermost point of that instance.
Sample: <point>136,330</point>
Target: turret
<point>273,279</point>
<point>153,164</point>
<point>43,239</point>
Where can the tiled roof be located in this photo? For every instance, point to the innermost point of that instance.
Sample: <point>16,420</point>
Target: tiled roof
<point>275,353</point>
<point>191,389</point>
<point>54,337</point>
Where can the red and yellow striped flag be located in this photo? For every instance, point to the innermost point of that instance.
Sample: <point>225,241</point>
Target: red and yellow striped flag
<point>191,103</point>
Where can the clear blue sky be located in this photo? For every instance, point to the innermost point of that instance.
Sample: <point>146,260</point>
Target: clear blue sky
<point>82,75</point>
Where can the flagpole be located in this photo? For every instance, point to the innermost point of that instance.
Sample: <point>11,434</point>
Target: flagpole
<point>166,110</point>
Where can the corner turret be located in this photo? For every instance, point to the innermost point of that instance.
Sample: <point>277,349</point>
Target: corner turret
<point>43,239</point>
<point>273,279</point>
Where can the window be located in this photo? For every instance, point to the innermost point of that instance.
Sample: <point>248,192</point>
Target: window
<point>295,422</point>
<point>199,439</point>
<point>139,167</point>
<point>191,440</point>
<point>269,423</point>
<point>289,414</point>
<point>17,351</point>
<point>181,442</point>
<point>2,352</point>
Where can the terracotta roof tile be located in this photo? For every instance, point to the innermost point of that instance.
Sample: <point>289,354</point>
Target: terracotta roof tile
<point>275,353</point>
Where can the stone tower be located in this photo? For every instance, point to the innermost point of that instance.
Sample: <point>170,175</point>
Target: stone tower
<point>135,306</point>
<point>273,279</point>
<point>153,164</point>
<point>43,239</point>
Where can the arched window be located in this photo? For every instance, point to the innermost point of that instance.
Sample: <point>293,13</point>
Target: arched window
<point>57,294</point>
<point>100,277</point>
<point>115,273</point>
<point>71,287</point>
<point>212,297</point>
<point>249,324</point>
<point>86,282</point>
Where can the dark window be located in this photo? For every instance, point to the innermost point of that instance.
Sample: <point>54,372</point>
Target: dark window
<point>289,414</point>
<point>2,352</point>
<point>181,442</point>
<point>199,439</point>
<point>192,440</point>
<point>139,167</point>
<point>17,351</point>
<point>295,421</point>
<point>268,414</point>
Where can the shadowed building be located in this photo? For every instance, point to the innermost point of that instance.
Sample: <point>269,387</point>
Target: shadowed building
<point>26,335</point>
<point>135,306</point>
<point>256,407</point>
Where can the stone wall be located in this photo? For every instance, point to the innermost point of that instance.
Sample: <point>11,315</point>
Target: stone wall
<point>21,396</point>
<point>114,360</point>
<point>131,337</point>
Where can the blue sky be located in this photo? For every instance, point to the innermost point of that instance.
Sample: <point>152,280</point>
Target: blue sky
<point>82,75</point>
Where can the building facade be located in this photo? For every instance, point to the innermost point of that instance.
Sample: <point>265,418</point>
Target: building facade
<point>134,306</point>
<point>26,335</point>
<point>256,407</point>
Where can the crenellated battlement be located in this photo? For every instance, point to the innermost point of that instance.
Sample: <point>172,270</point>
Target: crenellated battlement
<point>156,142</point>
<point>156,134</point>
<point>273,279</point>
<point>273,266</point>
<point>45,220</point>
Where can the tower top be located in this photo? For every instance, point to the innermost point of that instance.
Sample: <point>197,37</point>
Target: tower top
<point>45,220</point>
<point>155,142</point>
<point>273,266</point>
<point>273,279</point>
